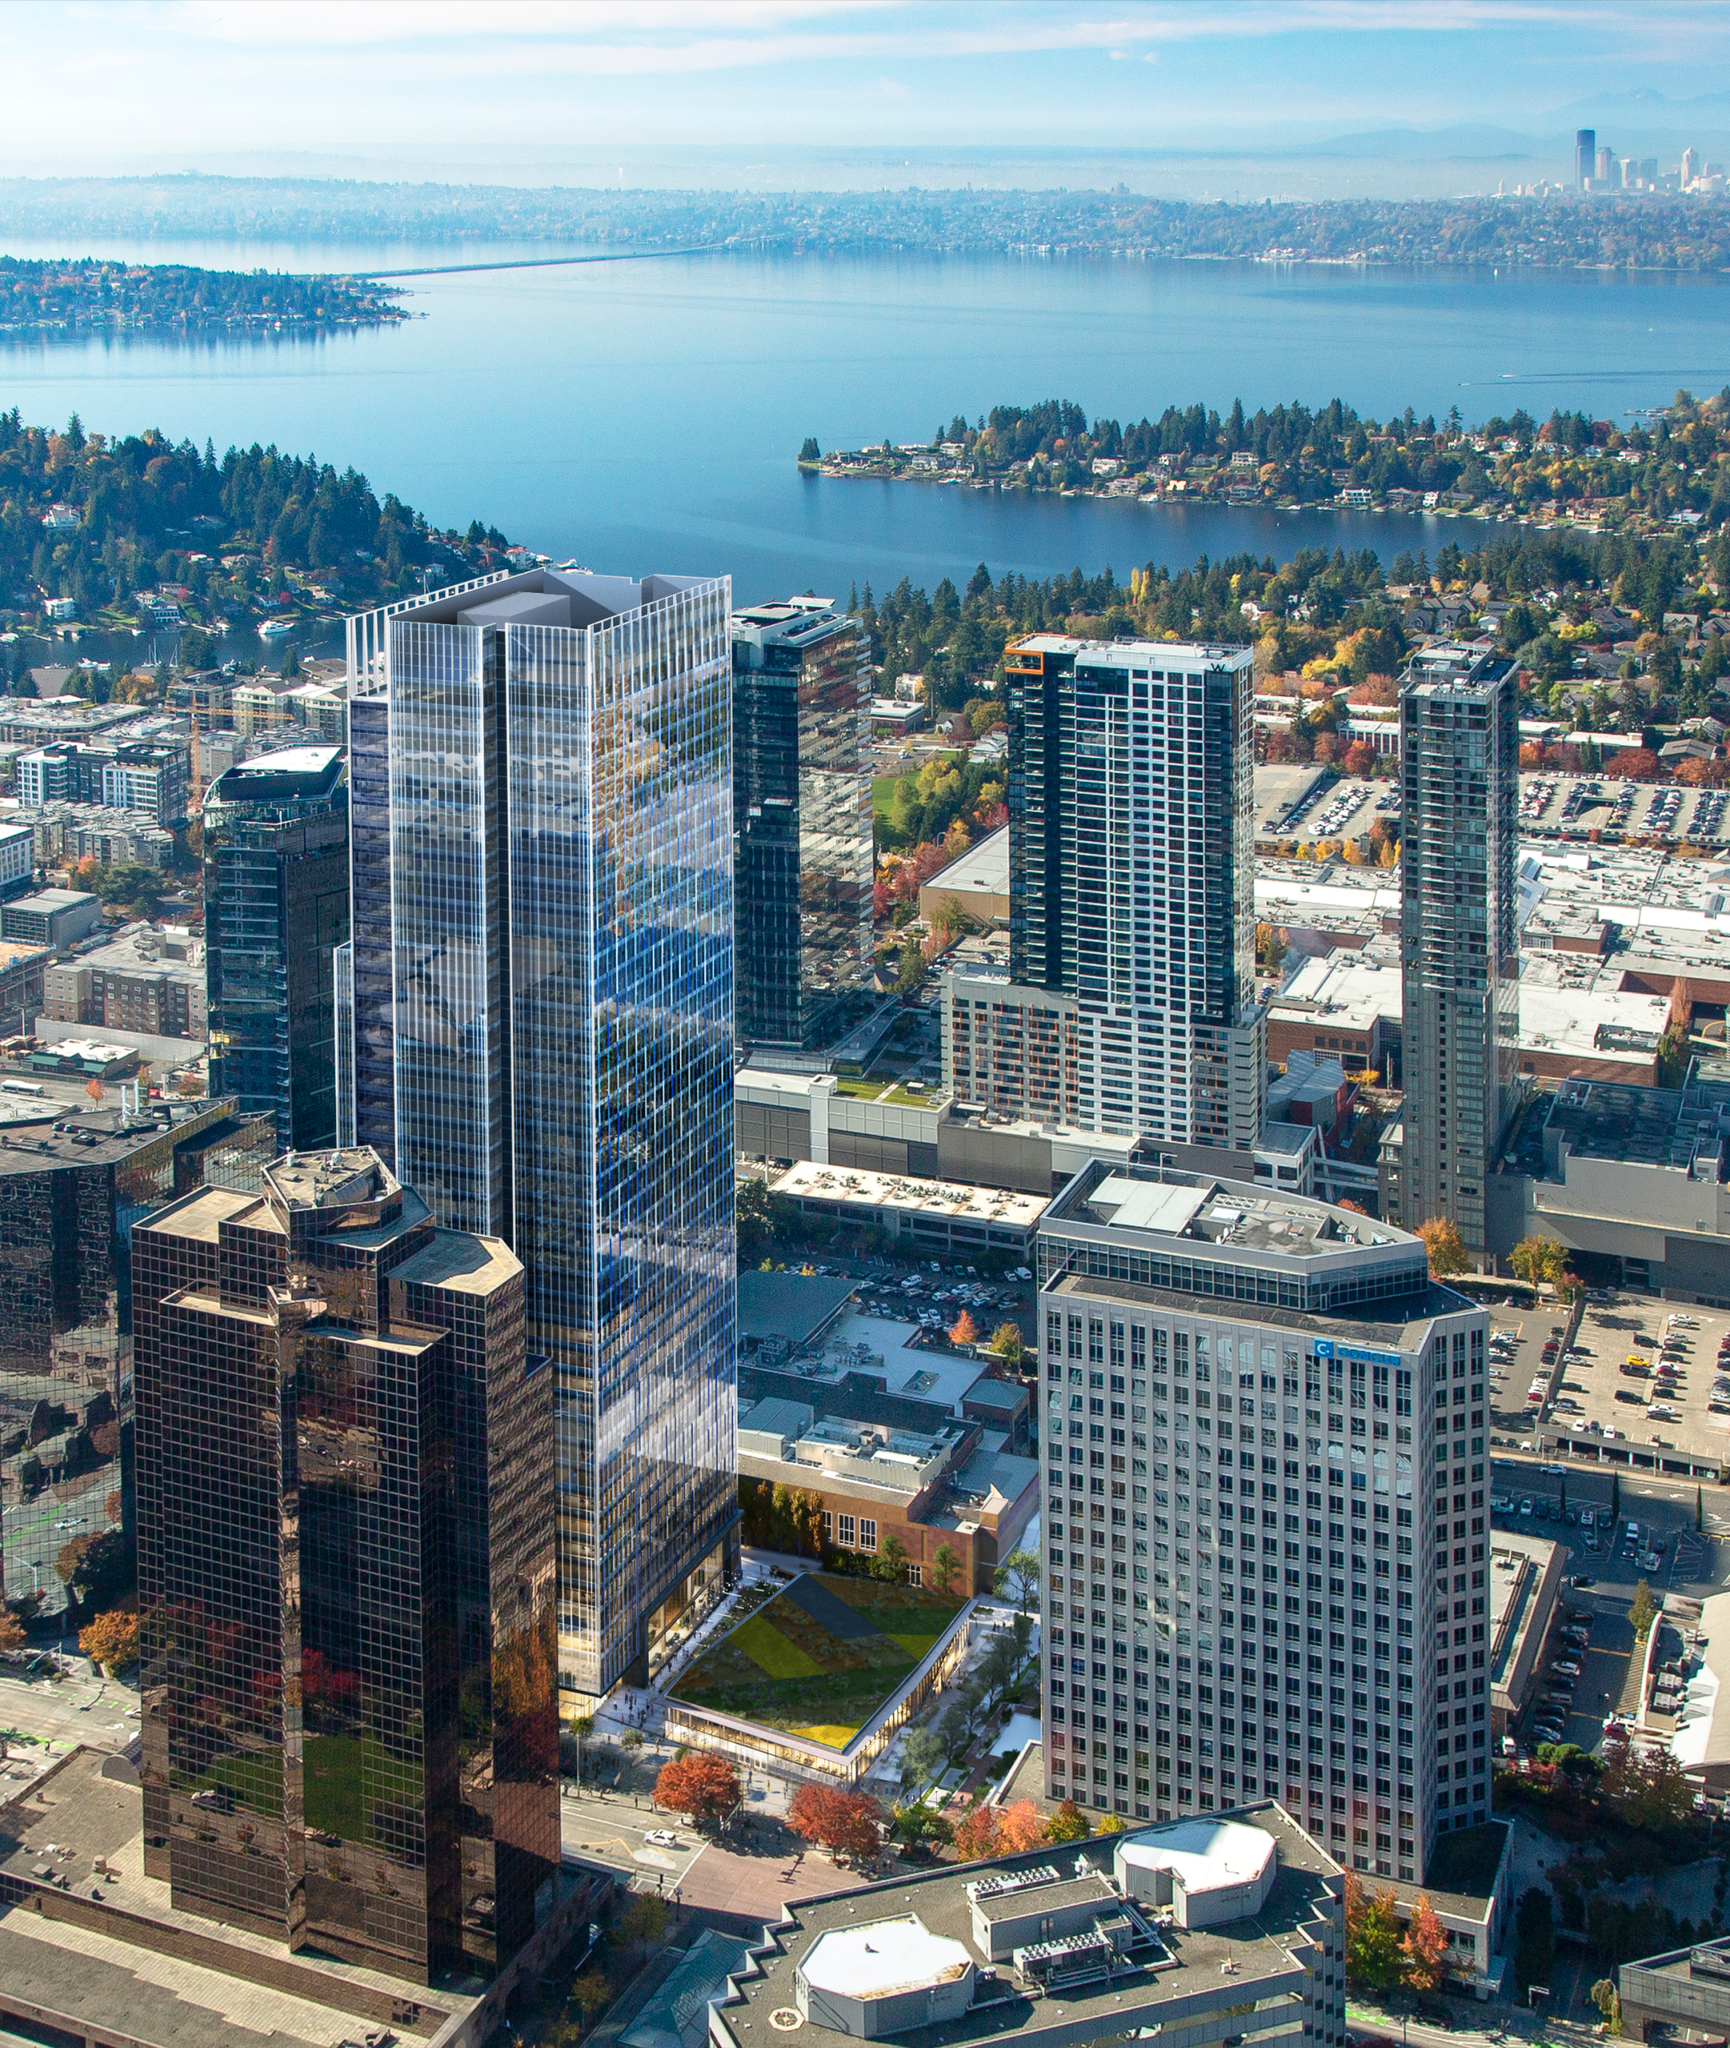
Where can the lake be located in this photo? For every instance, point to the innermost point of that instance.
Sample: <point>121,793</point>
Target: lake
<point>646,415</point>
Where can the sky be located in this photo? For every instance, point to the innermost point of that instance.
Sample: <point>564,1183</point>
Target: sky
<point>524,91</point>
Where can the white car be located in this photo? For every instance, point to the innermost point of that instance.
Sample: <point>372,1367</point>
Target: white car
<point>663,1838</point>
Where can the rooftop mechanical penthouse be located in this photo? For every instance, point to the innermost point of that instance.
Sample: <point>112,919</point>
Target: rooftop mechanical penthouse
<point>1266,1542</point>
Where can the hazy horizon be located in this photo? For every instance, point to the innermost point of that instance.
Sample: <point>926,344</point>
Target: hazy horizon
<point>1218,98</point>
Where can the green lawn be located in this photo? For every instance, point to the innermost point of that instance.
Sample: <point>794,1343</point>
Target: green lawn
<point>788,1667</point>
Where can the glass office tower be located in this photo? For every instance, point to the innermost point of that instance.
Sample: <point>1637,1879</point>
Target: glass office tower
<point>275,910</point>
<point>801,819</point>
<point>560,1049</point>
<point>346,1572</point>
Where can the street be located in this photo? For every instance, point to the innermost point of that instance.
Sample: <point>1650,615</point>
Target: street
<point>100,1713</point>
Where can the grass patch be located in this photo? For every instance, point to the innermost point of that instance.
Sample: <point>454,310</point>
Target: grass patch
<point>786,1668</point>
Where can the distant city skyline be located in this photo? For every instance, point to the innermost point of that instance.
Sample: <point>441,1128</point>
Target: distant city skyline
<point>1237,75</point>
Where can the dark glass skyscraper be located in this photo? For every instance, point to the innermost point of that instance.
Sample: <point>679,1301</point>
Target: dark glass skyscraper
<point>76,1179</point>
<point>346,1572</point>
<point>801,820</point>
<point>560,1044</point>
<point>275,909</point>
<point>1459,949</point>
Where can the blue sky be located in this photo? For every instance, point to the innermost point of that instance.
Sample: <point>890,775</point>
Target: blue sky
<point>409,86</point>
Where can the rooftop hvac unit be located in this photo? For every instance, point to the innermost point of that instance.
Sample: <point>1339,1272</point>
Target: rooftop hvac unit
<point>1014,1881</point>
<point>1072,1959</point>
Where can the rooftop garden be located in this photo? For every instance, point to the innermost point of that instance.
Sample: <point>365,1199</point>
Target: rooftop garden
<point>819,1659</point>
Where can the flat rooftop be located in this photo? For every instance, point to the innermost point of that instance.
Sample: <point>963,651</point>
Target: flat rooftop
<point>982,869</point>
<point>1230,1212</point>
<point>224,1987</point>
<point>1455,666</point>
<point>63,1127</point>
<point>1159,654</point>
<point>1518,1565</point>
<point>45,902</point>
<point>860,1188</point>
<point>796,1306</point>
<point>1183,1972</point>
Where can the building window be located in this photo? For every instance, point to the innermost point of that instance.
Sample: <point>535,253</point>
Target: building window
<point>916,1575</point>
<point>828,1527</point>
<point>845,1538</point>
<point>867,1533</point>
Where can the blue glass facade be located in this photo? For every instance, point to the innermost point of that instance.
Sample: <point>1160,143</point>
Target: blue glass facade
<point>560,906</point>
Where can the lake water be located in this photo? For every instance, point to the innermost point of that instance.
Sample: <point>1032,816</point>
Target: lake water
<point>646,415</point>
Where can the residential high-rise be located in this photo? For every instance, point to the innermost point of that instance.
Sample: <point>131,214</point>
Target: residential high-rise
<point>1585,157</point>
<point>803,860</point>
<point>558,1052</point>
<point>1131,1005</point>
<point>1266,1523</point>
<point>275,908</point>
<point>77,1177</point>
<point>1459,772</point>
<point>346,1572</point>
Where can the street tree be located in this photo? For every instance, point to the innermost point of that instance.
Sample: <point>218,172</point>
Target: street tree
<point>1426,1946</point>
<point>700,1785</point>
<point>922,1756</point>
<point>1021,1826</point>
<point>976,1833</point>
<point>1008,1342</point>
<point>1375,1940</point>
<point>111,1639</point>
<point>1539,1261</point>
<point>1445,1246</point>
<point>1017,1578</point>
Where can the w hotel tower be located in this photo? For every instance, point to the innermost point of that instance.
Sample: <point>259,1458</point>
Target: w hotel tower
<point>1266,1527</point>
<point>539,1032</point>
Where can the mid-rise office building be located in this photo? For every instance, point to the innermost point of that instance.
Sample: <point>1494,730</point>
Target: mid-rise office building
<point>275,909</point>
<point>555,1036</point>
<point>76,1178</point>
<point>346,1579</point>
<point>1131,1005</point>
<point>1210,1931</point>
<point>1266,1524</point>
<point>1460,989</point>
<point>801,820</point>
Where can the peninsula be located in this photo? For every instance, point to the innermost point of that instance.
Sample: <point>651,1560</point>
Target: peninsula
<point>86,295</point>
<point>1665,472</point>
